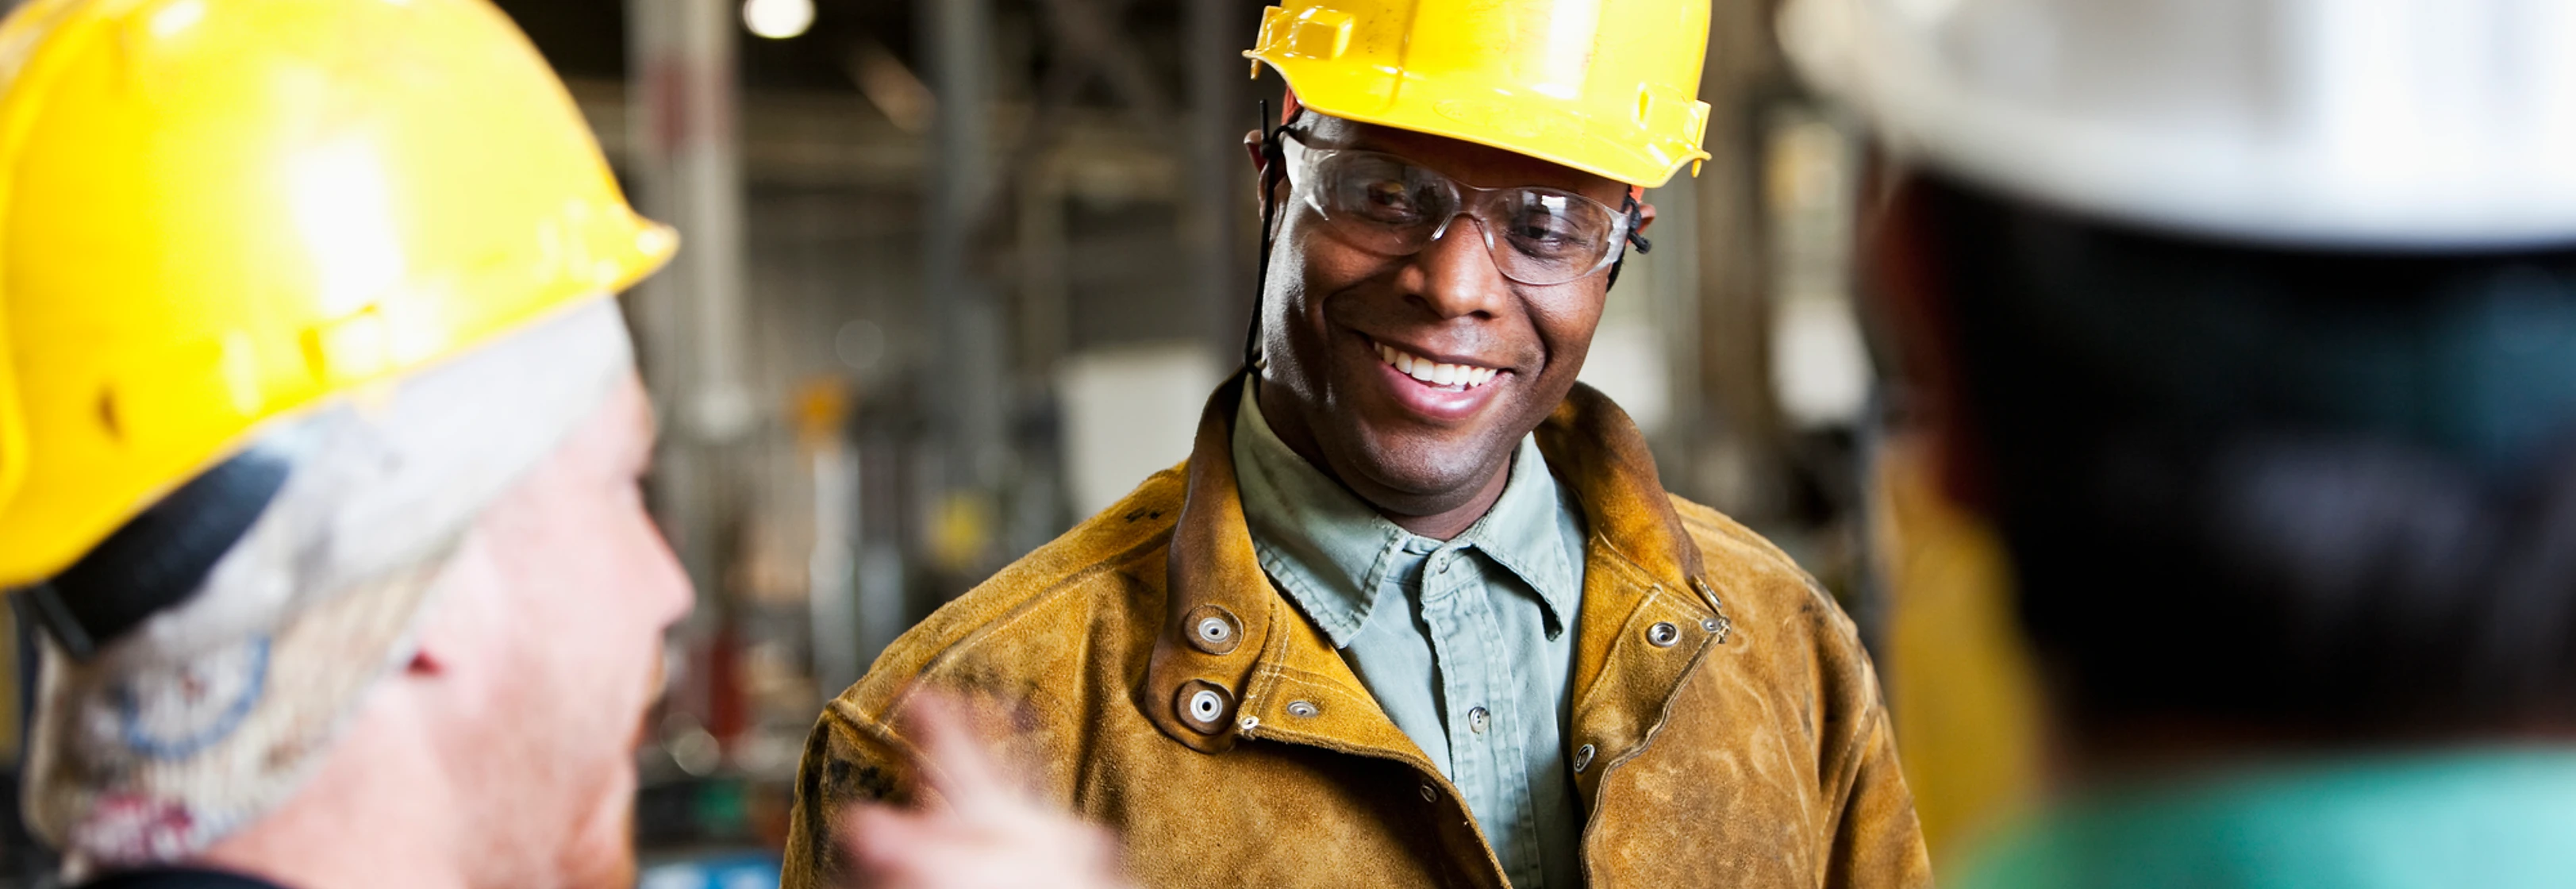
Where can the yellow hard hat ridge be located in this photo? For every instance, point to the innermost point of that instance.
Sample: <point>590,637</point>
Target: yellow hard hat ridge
<point>1606,88</point>
<point>215,213</point>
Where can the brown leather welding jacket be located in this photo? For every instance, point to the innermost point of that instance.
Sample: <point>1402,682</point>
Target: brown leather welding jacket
<point>1726,728</point>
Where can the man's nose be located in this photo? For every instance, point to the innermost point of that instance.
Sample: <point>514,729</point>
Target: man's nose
<point>1454,275</point>
<point>669,590</point>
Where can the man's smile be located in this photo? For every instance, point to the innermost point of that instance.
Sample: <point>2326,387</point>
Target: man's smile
<point>1442,391</point>
<point>1454,376</point>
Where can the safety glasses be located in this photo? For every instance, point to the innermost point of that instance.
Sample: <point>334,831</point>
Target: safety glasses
<point>1387,205</point>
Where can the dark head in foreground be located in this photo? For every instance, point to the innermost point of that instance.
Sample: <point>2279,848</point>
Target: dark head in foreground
<point>2304,495</point>
<point>2267,375</point>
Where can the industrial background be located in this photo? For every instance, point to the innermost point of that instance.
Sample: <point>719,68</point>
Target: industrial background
<point>957,273</point>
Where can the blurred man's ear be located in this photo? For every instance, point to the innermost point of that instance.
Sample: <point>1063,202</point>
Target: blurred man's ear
<point>461,623</point>
<point>1645,216</point>
<point>1260,164</point>
<point>1901,252</point>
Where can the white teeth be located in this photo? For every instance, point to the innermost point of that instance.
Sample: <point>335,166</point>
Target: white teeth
<point>1464,376</point>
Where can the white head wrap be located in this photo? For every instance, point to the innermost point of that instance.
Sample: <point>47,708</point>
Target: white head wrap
<point>208,715</point>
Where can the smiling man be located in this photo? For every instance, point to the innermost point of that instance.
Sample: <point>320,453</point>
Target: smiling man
<point>1417,610</point>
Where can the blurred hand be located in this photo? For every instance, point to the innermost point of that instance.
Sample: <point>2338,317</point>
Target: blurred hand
<point>981,831</point>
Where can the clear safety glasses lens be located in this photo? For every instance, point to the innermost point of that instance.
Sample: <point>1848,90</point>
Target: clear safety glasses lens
<point>1383,204</point>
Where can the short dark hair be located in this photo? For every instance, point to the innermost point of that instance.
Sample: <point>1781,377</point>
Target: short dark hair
<point>2291,488</point>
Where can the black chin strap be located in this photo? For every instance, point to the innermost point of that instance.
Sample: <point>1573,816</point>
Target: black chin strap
<point>1273,169</point>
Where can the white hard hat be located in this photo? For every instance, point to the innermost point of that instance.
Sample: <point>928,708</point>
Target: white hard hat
<point>2424,124</point>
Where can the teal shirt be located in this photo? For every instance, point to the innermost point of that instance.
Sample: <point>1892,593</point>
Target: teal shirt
<point>1465,643</point>
<point>2493,819</point>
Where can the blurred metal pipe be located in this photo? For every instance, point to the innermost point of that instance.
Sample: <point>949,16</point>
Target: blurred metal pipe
<point>1046,297</point>
<point>684,158</point>
<point>963,380</point>
<point>1741,468</point>
<point>817,140</point>
<point>832,567</point>
<point>1212,65</point>
<point>1089,30</point>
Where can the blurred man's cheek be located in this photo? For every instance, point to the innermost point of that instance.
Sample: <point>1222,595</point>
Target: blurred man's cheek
<point>603,853</point>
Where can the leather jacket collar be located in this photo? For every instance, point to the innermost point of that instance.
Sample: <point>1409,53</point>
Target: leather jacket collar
<point>1232,646</point>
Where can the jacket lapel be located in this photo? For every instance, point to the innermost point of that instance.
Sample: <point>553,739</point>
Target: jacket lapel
<point>1273,658</point>
<point>1642,575</point>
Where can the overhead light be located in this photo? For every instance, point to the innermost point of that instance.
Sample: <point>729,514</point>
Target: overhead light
<point>778,19</point>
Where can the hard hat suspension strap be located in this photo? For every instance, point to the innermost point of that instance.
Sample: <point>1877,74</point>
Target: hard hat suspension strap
<point>160,557</point>
<point>1274,169</point>
<point>1635,210</point>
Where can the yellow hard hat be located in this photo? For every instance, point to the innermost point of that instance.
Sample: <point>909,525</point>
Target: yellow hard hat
<point>1604,86</point>
<point>216,212</point>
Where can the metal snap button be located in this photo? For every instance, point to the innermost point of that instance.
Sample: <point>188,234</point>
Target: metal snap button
<point>1476,720</point>
<point>1202,706</point>
<point>1708,624</point>
<point>1212,629</point>
<point>1701,586</point>
<point>1301,709</point>
<point>1663,634</point>
<point>1583,757</point>
<point>1429,795</point>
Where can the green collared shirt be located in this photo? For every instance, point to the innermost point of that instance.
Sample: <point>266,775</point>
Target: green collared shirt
<point>2494,819</point>
<point>1466,643</point>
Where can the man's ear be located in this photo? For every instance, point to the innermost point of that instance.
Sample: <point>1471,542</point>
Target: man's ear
<point>1260,166</point>
<point>463,617</point>
<point>1645,216</point>
<point>1905,277</point>
<point>1252,147</point>
<point>436,640</point>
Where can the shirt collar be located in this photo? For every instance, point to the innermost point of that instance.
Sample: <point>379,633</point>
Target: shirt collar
<point>1328,550</point>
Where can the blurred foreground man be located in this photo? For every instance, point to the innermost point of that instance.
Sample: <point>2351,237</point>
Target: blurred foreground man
<point>2252,326</point>
<point>319,440</point>
<point>1417,610</point>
